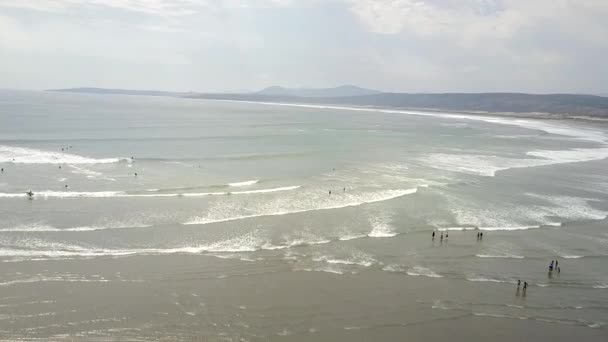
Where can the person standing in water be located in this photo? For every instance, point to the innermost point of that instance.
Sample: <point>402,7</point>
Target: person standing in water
<point>433,235</point>
<point>441,238</point>
<point>330,192</point>
<point>518,282</point>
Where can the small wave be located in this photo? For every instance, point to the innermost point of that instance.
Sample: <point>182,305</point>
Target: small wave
<point>457,228</point>
<point>600,286</point>
<point>571,256</point>
<point>422,271</point>
<point>499,256</point>
<point>372,198</point>
<point>394,268</point>
<point>348,237</point>
<point>327,269</point>
<point>359,259</point>
<point>509,228</point>
<point>246,183</point>
<point>46,228</point>
<point>22,155</point>
<point>103,194</point>
<point>381,227</point>
<point>484,279</point>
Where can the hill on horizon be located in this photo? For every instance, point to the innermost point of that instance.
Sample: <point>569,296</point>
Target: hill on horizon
<point>341,91</point>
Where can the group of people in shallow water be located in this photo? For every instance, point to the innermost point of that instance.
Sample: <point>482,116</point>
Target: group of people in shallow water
<point>525,288</point>
<point>343,190</point>
<point>441,236</point>
<point>479,236</point>
<point>552,267</point>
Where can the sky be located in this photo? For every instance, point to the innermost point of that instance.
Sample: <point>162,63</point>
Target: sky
<point>537,46</point>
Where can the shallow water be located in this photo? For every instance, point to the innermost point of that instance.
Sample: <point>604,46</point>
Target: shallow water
<point>233,199</point>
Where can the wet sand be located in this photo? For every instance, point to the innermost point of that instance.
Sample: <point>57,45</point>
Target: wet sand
<point>203,297</point>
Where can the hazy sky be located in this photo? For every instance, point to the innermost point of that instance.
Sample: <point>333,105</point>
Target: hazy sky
<point>393,45</point>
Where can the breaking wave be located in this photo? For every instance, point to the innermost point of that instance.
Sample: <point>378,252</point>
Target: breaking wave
<point>246,183</point>
<point>23,155</point>
<point>114,194</point>
<point>294,206</point>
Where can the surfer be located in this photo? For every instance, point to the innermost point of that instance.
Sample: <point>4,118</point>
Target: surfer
<point>433,235</point>
<point>559,270</point>
<point>344,190</point>
<point>525,285</point>
<point>30,194</point>
<point>446,235</point>
<point>2,169</point>
<point>441,237</point>
<point>556,262</point>
<point>66,186</point>
<point>330,192</point>
<point>135,174</point>
<point>518,282</point>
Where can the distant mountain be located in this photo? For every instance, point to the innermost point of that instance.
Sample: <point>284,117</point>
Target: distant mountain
<point>563,105</point>
<point>123,92</point>
<point>345,90</point>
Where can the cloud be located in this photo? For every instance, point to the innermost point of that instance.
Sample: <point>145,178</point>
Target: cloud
<point>399,45</point>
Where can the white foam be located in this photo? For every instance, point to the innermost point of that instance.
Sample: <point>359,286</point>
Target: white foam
<point>381,226</point>
<point>506,256</point>
<point>84,171</point>
<point>422,271</point>
<point>393,268</point>
<point>600,286</point>
<point>509,228</point>
<point>115,194</point>
<point>456,228</point>
<point>22,155</point>
<point>246,183</point>
<point>327,268</point>
<point>484,279</point>
<point>357,258</point>
<point>293,206</point>
<point>553,127</point>
<point>488,165</point>
<point>348,237</point>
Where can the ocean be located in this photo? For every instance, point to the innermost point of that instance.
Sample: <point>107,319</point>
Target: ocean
<point>182,219</point>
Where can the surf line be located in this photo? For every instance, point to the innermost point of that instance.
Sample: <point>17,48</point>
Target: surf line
<point>391,194</point>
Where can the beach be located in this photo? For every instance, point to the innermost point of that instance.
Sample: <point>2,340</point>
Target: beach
<point>183,219</point>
